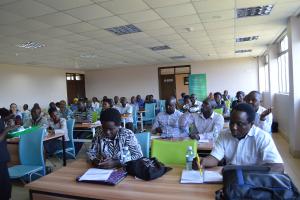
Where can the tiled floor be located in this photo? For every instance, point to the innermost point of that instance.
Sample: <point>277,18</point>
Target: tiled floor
<point>291,167</point>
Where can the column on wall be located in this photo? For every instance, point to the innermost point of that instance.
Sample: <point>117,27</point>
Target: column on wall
<point>294,70</point>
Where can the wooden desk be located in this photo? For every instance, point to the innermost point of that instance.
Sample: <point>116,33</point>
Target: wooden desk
<point>13,148</point>
<point>61,185</point>
<point>85,127</point>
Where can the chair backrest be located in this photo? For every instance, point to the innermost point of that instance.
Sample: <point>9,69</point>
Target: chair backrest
<point>144,140</point>
<point>172,152</point>
<point>70,127</point>
<point>150,110</point>
<point>162,105</point>
<point>31,149</point>
<point>219,111</point>
<point>94,116</point>
<point>134,116</point>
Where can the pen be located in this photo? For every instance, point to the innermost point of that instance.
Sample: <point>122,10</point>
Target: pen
<point>199,166</point>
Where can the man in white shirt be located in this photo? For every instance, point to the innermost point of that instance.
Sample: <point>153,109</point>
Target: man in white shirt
<point>126,111</point>
<point>263,117</point>
<point>95,104</point>
<point>166,122</point>
<point>57,125</point>
<point>244,144</point>
<point>204,125</point>
<point>196,105</point>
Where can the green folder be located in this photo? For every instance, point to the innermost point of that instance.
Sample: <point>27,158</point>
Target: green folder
<point>14,134</point>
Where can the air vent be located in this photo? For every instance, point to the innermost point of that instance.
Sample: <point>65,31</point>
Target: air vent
<point>177,57</point>
<point>243,51</point>
<point>254,11</point>
<point>246,39</point>
<point>159,48</point>
<point>123,30</point>
<point>31,45</point>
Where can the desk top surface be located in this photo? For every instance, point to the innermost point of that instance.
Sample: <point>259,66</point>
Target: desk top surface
<point>86,125</point>
<point>63,181</point>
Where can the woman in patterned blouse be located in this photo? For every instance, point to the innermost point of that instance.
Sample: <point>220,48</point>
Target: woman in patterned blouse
<point>107,145</point>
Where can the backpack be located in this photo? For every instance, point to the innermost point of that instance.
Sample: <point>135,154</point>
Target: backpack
<point>256,182</point>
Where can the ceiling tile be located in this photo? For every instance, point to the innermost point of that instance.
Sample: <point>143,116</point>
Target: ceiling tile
<point>89,12</point>
<point>31,25</point>
<point>187,28</point>
<point>58,19</point>
<point>54,32</point>
<point>97,34</point>
<point>65,4</point>
<point>108,22</point>
<point>3,2</point>
<point>164,3</point>
<point>217,16</point>
<point>137,17</point>
<point>183,20</point>
<point>8,17</point>
<point>11,30</point>
<point>28,8</point>
<point>194,34</point>
<point>253,3</point>
<point>175,11</point>
<point>162,31</point>
<point>219,24</point>
<point>213,5</point>
<point>80,27</point>
<point>73,37</point>
<point>152,25</point>
<point>122,7</point>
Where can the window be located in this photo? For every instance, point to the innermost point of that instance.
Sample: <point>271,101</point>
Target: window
<point>283,66</point>
<point>264,76</point>
<point>74,77</point>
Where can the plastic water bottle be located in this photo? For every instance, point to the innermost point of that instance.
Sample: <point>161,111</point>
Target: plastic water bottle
<point>189,158</point>
<point>125,155</point>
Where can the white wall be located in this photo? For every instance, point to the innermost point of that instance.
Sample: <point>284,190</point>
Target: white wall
<point>22,84</point>
<point>230,74</point>
<point>280,108</point>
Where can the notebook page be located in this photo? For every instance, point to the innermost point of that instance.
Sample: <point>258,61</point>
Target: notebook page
<point>212,176</point>
<point>191,176</point>
<point>95,174</point>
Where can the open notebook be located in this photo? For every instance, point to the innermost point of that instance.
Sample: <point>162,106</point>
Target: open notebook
<point>102,176</point>
<point>193,176</point>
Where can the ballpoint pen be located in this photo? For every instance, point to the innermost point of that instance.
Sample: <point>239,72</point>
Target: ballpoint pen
<point>199,166</point>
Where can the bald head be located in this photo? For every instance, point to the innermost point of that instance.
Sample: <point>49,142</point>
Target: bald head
<point>171,105</point>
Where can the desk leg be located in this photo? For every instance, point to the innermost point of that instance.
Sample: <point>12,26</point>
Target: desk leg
<point>64,151</point>
<point>142,123</point>
<point>94,131</point>
<point>124,123</point>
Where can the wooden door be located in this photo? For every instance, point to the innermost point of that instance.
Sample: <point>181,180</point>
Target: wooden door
<point>75,86</point>
<point>167,86</point>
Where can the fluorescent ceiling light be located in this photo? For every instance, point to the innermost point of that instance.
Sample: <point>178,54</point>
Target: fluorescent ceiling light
<point>245,39</point>
<point>254,11</point>
<point>159,48</point>
<point>243,51</point>
<point>177,57</point>
<point>31,45</point>
<point>122,30</point>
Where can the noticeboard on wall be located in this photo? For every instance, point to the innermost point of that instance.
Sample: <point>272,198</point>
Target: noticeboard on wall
<point>197,86</point>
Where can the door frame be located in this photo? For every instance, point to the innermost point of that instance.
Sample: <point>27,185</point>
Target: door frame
<point>168,67</point>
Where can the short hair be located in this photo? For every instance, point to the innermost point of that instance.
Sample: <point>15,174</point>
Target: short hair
<point>25,106</point>
<point>169,100</point>
<point>217,93</point>
<point>112,115</point>
<point>240,93</point>
<point>109,101</point>
<point>4,112</point>
<point>51,110</point>
<point>254,92</point>
<point>247,108</point>
<point>186,97</point>
<point>211,102</point>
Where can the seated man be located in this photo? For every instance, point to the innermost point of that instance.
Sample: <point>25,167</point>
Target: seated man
<point>226,96</point>
<point>82,114</point>
<point>263,117</point>
<point>65,112</point>
<point>220,102</point>
<point>196,105</point>
<point>95,104</point>
<point>166,122</point>
<point>181,101</point>
<point>56,125</point>
<point>244,143</point>
<point>140,102</point>
<point>36,119</point>
<point>239,98</point>
<point>108,143</point>
<point>126,109</point>
<point>204,125</point>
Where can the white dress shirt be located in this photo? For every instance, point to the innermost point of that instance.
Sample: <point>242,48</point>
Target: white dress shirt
<point>95,106</point>
<point>126,110</point>
<point>206,128</point>
<point>169,124</point>
<point>256,148</point>
<point>60,127</point>
<point>264,125</point>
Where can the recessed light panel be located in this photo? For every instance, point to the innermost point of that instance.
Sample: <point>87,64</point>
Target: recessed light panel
<point>243,51</point>
<point>122,30</point>
<point>159,48</point>
<point>254,11</point>
<point>31,45</point>
<point>177,57</point>
<point>245,39</point>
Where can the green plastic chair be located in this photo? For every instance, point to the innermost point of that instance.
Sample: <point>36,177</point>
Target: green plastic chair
<point>219,111</point>
<point>172,152</point>
<point>94,116</point>
<point>228,104</point>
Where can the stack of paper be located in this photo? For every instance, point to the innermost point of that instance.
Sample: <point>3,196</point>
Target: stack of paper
<point>95,174</point>
<point>203,141</point>
<point>193,176</point>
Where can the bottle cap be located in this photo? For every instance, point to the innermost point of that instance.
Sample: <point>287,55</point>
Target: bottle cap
<point>190,148</point>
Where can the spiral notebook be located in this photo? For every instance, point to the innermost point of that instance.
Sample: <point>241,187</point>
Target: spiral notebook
<point>102,176</point>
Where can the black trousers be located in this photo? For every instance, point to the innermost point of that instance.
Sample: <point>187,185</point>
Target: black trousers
<point>5,185</point>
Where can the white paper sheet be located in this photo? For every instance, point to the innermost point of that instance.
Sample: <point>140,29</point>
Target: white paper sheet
<point>95,174</point>
<point>203,141</point>
<point>194,176</point>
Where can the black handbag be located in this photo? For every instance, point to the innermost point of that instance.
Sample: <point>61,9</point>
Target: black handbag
<point>146,168</point>
<point>255,182</point>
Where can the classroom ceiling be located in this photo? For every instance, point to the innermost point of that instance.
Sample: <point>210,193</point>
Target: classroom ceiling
<point>72,34</point>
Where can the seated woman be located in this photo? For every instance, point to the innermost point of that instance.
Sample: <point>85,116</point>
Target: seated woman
<point>56,125</point>
<point>14,111</point>
<point>108,143</point>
